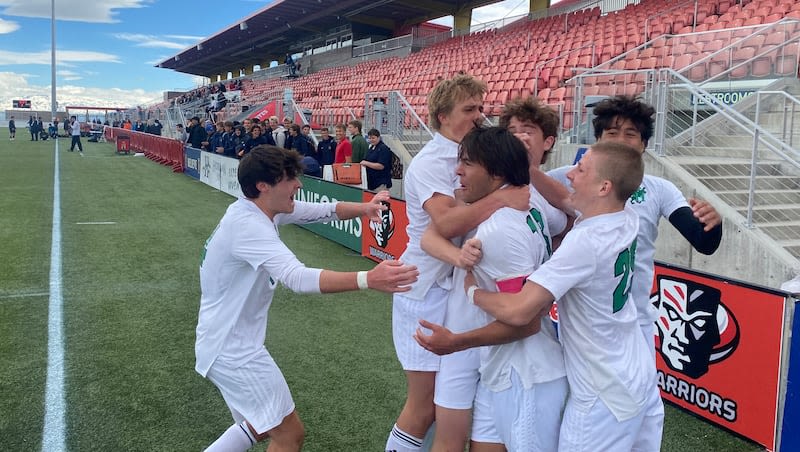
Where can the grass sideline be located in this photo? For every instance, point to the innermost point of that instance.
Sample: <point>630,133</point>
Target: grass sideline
<point>131,294</point>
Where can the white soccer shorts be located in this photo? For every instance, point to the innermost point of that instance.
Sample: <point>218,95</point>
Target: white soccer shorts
<point>598,429</point>
<point>457,379</point>
<point>524,420</point>
<point>255,391</point>
<point>406,314</point>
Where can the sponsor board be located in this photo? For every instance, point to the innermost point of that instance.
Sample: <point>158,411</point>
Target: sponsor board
<point>191,162</point>
<point>790,434</point>
<point>718,350</point>
<point>388,239</point>
<point>344,232</point>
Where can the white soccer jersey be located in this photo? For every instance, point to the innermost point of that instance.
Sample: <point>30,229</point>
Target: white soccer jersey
<point>606,355</point>
<point>515,243</point>
<point>655,198</point>
<point>461,315</point>
<point>242,262</point>
<point>431,171</point>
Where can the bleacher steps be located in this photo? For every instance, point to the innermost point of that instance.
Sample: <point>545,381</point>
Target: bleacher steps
<point>701,166</point>
<point>771,213</point>
<point>743,182</point>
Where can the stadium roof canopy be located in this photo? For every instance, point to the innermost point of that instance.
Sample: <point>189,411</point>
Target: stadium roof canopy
<point>285,25</point>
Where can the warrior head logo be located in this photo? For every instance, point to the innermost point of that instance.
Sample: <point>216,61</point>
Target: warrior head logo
<point>694,328</point>
<point>384,230</point>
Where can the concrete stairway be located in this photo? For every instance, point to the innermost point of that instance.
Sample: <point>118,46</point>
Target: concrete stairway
<point>722,162</point>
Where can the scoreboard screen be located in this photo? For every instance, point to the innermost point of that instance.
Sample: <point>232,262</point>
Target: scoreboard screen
<point>21,103</point>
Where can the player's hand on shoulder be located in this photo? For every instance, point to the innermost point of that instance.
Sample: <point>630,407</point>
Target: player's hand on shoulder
<point>514,197</point>
<point>392,276</point>
<point>441,341</point>
<point>470,254</point>
<point>705,213</point>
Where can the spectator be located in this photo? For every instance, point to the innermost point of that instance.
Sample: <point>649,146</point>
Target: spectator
<point>255,139</point>
<point>213,141</point>
<point>181,134</point>
<point>197,134</point>
<point>287,124</point>
<point>290,64</point>
<point>344,151</point>
<point>378,162</point>
<point>326,149</point>
<point>311,167</point>
<point>300,142</point>
<point>357,141</point>
<point>239,139</point>
<point>278,132</point>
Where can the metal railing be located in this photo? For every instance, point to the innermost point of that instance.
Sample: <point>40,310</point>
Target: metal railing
<point>734,148</point>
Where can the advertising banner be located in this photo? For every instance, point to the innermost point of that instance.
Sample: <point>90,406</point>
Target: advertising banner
<point>191,162</point>
<point>271,109</point>
<point>210,169</point>
<point>229,180</point>
<point>344,232</point>
<point>387,240</point>
<point>718,350</point>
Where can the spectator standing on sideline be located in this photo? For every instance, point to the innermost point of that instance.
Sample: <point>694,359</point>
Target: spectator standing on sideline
<point>357,141</point>
<point>287,124</point>
<point>326,149</point>
<point>242,263</point>
<point>75,128</point>
<point>197,134</point>
<point>278,131</point>
<point>378,161</point>
<point>344,151</point>
<point>32,127</point>
<point>12,129</point>
<point>182,136</point>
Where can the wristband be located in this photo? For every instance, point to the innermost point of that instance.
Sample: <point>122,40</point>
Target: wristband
<point>471,293</point>
<point>361,280</point>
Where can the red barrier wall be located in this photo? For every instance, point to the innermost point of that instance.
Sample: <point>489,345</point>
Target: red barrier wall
<point>165,151</point>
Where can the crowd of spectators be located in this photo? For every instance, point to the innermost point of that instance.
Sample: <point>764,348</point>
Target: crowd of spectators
<point>235,139</point>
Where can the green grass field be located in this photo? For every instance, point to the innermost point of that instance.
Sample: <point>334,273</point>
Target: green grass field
<point>130,301</point>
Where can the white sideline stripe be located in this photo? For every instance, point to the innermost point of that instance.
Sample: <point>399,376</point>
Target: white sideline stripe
<point>53,437</point>
<point>97,222</point>
<point>22,295</point>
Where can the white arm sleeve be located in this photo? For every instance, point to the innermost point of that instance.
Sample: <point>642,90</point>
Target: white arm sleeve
<point>308,212</point>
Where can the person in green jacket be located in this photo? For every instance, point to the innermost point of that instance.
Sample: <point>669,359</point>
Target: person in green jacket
<point>360,146</point>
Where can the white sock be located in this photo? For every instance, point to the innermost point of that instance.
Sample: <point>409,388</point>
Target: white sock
<point>237,438</point>
<point>400,441</point>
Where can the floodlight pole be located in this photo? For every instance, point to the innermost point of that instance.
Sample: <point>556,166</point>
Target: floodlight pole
<point>53,60</point>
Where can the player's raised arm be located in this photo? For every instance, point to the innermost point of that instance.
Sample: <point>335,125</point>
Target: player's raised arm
<point>388,276</point>
<point>371,210</point>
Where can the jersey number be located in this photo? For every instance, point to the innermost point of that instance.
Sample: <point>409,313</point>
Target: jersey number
<point>535,219</point>
<point>624,267</point>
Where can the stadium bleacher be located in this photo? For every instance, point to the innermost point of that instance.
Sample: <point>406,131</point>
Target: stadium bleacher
<point>540,56</point>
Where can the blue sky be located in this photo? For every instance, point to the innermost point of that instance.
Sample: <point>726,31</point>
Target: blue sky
<point>107,49</point>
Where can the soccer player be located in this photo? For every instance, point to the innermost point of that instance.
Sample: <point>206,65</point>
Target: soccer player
<point>627,120</point>
<point>454,107</point>
<point>614,402</point>
<point>242,263</point>
<point>522,378</point>
<point>536,125</point>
